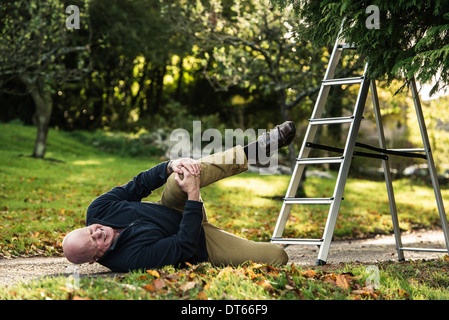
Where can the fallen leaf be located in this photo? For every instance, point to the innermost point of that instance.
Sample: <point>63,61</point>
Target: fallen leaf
<point>293,268</point>
<point>250,273</point>
<point>365,292</point>
<point>266,285</point>
<point>271,268</point>
<point>187,286</point>
<point>330,278</point>
<point>308,273</point>
<point>342,281</point>
<point>290,281</point>
<point>403,293</point>
<point>159,284</point>
<point>149,287</point>
<point>153,273</point>
<point>172,277</point>
<point>257,265</point>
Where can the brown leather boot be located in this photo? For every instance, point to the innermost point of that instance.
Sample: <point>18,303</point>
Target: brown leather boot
<point>280,136</point>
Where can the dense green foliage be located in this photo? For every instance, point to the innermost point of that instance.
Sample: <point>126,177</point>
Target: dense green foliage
<point>412,38</point>
<point>146,64</point>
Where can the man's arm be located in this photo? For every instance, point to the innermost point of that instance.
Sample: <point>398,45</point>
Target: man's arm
<point>182,245</point>
<point>141,185</point>
<point>135,190</point>
<point>145,182</point>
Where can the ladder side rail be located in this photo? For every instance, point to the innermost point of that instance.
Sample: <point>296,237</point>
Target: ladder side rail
<point>310,133</point>
<point>282,220</point>
<point>387,171</point>
<point>343,172</point>
<point>317,112</point>
<point>430,161</point>
<point>299,168</point>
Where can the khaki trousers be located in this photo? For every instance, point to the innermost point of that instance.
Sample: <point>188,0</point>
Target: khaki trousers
<point>223,247</point>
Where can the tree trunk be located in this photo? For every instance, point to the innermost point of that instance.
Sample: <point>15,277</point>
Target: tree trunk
<point>159,87</point>
<point>285,115</point>
<point>44,105</point>
<point>180,80</point>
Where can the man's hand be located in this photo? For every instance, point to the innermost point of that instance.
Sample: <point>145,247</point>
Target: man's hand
<point>192,166</point>
<point>189,183</point>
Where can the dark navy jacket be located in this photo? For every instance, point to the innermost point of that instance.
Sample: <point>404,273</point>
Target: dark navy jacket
<point>154,235</point>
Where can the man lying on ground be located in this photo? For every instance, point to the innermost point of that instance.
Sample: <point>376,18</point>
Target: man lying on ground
<point>124,233</point>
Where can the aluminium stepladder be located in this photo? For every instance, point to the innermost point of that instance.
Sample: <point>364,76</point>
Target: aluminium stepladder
<point>344,160</point>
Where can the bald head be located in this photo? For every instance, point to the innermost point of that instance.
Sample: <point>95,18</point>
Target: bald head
<point>77,247</point>
<point>88,244</point>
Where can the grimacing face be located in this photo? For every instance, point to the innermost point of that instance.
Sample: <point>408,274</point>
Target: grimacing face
<point>88,244</point>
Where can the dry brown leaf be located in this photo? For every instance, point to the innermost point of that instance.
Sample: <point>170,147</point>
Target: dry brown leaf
<point>308,273</point>
<point>266,285</point>
<point>403,293</point>
<point>149,287</point>
<point>257,265</point>
<point>293,268</point>
<point>342,281</point>
<point>187,286</point>
<point>172,277</point>
<point>153,273</point>
<point>159,284</point>
<point>206,286</point>
<point>365,292</point>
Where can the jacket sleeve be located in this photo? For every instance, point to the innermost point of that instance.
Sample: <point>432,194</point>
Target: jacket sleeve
<point>138,188</point>
<point>177,248</point>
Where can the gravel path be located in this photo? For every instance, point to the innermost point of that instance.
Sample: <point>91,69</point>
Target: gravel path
<point>381,248</point>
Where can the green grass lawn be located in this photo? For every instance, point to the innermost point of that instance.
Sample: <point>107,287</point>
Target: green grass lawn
<point>42,200</point>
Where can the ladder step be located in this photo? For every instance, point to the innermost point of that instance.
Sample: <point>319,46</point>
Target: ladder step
<point>342,81</point>
<point>424,249</point>
<point>407,150</point>
<point>332,120</point>
<point>316,242</point>
<point>347,46</point>
<point>320,160</point>
<point>308,200</point>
